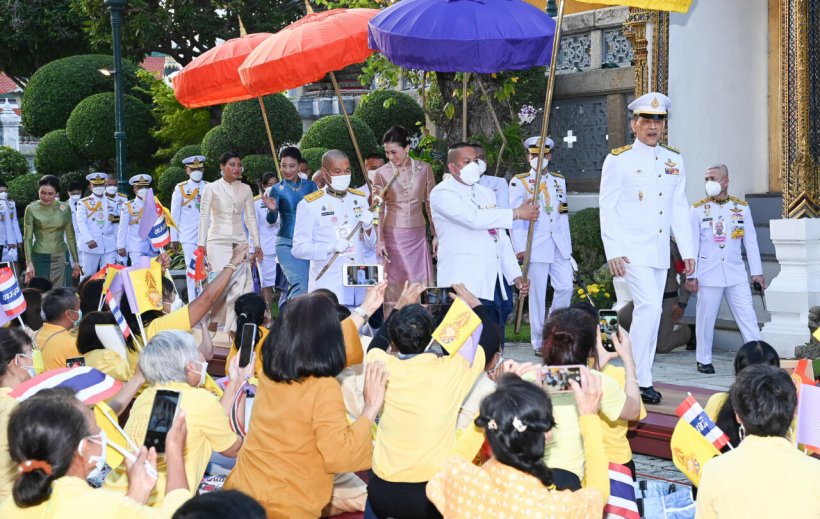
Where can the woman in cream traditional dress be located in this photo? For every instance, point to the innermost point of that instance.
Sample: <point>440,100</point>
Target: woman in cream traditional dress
<point>221,229</point>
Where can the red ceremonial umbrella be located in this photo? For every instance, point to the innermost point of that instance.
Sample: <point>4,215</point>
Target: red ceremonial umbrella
<point>308,49</point>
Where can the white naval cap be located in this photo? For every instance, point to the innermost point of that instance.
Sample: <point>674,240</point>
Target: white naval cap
<point>194,161</point>
<point>653,105</point>
<point>140,180</point>
<point>97,178</point>
<point>533,144</point>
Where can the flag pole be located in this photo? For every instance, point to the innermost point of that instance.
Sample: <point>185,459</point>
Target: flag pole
<point>545,121</point>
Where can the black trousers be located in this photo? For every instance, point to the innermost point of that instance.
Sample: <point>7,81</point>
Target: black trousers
<point>399,500</point>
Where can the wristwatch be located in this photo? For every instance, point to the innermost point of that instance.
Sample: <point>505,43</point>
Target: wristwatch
<point>358,310</point>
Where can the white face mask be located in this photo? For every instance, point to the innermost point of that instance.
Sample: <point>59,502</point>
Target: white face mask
<point>340,182</point>
<point>303,176</point>
<point>4,195</point>
<point>470,173</point>
<point>98,190</point>
<point>111,190</point>
<point>371,174</point>
<point>544,163</point>
<point>712,188</point>
<point>177,304</point>
<point>482,167</point>
<point>141,192</point>
<point>74,198</point>
<point>29,369</point>
<point>202,373</point>
<point>196,175</point>
<point>99,461</point>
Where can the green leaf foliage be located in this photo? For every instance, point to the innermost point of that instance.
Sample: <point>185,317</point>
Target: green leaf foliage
<point>167,181</point>
<point>331,132</point>
<point>256,166</point>
<point>185,152</point>
<point>90,128</point>
<point>382,109</point>
<point>587,247</point>
<point>23,190</point>
<point>245,127</point>
<point>313,156</point>
<point>12,163</point>
<point>56,88</point>
<point>178,126</point>
<point>55,154</point>
<point>215,143</point>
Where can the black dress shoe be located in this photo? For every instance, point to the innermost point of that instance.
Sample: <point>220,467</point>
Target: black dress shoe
<point>650,396</point>
<point>706,368</point>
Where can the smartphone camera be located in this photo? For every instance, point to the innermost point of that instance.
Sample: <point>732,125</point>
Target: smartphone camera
<point>608,322</point>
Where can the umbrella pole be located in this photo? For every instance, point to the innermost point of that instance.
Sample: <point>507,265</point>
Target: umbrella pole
<point>350,130</point>
<point>465,77</point>
<point>270,137</point>
<point>497,124</point>
<point>556,43</point>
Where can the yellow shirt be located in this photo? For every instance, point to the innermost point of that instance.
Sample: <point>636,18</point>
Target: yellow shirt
<point>417,428</point>
<point>257,365</point>
<point>208,431</point>
<point>762,477</point>
<point>176,320</point>
<point>58,344</point>
<point>715,404</point>
<point>614,431</point>
<point>71,497</point>
<point>8,468</point>
<point>110,363</point>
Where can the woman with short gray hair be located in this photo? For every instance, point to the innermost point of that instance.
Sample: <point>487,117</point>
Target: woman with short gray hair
<point>172,356</point>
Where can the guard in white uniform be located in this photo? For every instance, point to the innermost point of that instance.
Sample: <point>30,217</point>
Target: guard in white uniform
<point>267,239</point>
<point>185,213</point>
<point>324,219</point>
<point>95,221</point>
<point>498,185</point>
<point>10,236</point>
<point>117,199</point>
<point>128,240</point>
<point>642,198</point>
<point>551,243</point>
<point>720,223</point>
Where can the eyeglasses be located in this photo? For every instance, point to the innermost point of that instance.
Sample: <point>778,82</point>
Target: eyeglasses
<point>495,367</point>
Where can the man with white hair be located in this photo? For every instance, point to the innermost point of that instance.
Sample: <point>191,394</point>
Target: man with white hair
<point>720,223</point>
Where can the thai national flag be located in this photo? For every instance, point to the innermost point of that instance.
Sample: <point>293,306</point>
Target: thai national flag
<point>621,501</point>
<point>196,267</point>
<point>115,309</point>
<point>160,234</point>
<point>691,412</point>
<point>11,297</point>
<point>90,384</point>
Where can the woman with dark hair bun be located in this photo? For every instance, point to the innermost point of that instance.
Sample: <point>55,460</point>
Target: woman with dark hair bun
<point>48,233</point>
<point>403,245</point>
<point>518,424</point>
<point>16,367</point>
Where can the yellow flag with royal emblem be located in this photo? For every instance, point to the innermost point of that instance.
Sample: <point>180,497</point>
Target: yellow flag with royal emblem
<point>679,6</point>
<point>107,421</point>
<point>690,450</point>
<point>146,284</point>
<point>456,327</point>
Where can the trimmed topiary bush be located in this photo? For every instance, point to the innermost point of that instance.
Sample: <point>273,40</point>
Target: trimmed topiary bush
<point>57,87</point>
<point>167,181</point>
<point>55,155</point>
<point>331,132</point>
<point>313,156</point>
<point>185,152</point>
<point>12,163</point>
<point>382,109</point>
<point>245,128</point>
<point>215,143</point>
<point>587,247</point>
<point>90,128</point>
<point>256,166</point>
<point>23,190</point>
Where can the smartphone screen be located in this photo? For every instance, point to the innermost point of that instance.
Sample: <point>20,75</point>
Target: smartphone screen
<point>362,275</point>
<point>556,378</point>
<point>75,362</point>
<point>246,343</point>
<point>162,417</point>
<point>608,321</point>
<point>436,296</point>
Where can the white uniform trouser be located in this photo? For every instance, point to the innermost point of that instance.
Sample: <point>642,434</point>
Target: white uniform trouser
<point>91,263</point>
<point>188,250</point>
<point>136,257</point>
<point>559,273</point>
<point>739,298</point>
<point>646,285</point>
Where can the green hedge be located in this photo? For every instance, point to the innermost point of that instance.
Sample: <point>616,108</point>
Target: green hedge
<point>256,166</point>
<point>167,181</point>
<point>313,156</point>
<point>56,88</point>
<point>245,128</point>
<point>90,128</point>
<point>55,154</point>
<point>382,109</point>
<point>331,132</point>
<point>211,172</point>
<point>23,190</point>
<point>215,143</point>
<point>12,164</point>
<point>587,247</point>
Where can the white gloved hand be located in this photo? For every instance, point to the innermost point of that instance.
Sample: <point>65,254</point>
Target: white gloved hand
<point>366,217</point>
<point>573,263</point>
<point>340,246</point>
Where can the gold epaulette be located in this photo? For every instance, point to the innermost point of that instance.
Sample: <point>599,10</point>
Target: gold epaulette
<point>618,151</point>
<point>257,198</point>
<point>182,183</point>
<point>738,201</point>
<point>522,175</point>
<point>701,202</point>
<point>355,191</point>
<point>671,148</point>
<point>558,175</point>
<point>314,196</point>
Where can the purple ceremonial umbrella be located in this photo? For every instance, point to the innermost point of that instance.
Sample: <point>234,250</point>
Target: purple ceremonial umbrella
<point>482,36</point>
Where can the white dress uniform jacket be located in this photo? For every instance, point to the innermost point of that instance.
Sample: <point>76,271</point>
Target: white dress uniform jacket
<point>642,196</point>
<point>267,240</point>
<point>472,246</point>
<point>95,217</point>
<point>551,234</point>
<point>128,231</point>
<point>321,220</point>
<point>719,229</point>
<point>185,211</point>
<point>499,188</point>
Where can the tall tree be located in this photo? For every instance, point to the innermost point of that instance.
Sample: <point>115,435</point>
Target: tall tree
<point>184,29</point>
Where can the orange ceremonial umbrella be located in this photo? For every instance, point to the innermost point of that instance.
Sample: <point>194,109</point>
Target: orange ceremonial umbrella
<point>308,49</point>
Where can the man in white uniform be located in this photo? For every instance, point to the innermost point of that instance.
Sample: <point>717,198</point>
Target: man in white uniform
<point>642,198</point>
<point>128,240</point>
<point>474,248</point>
<point>10,235</point>
<point>97,236</point>
<point>498,185</point>
<point>551,243</point>
<point>324,219</point>
<point>267,240</point>
<point>117,199</point>
<point>720,223</point>
<point>185,213</point>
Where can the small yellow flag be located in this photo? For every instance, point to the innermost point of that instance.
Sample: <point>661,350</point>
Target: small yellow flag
<point>680,6</point>
<point>110,274</point>
<point>458,325</point>
<point>211,385</point>
<point>690,451</point>
<point>816,334</point>
<point>147,284</point>
<point>107,420</point>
